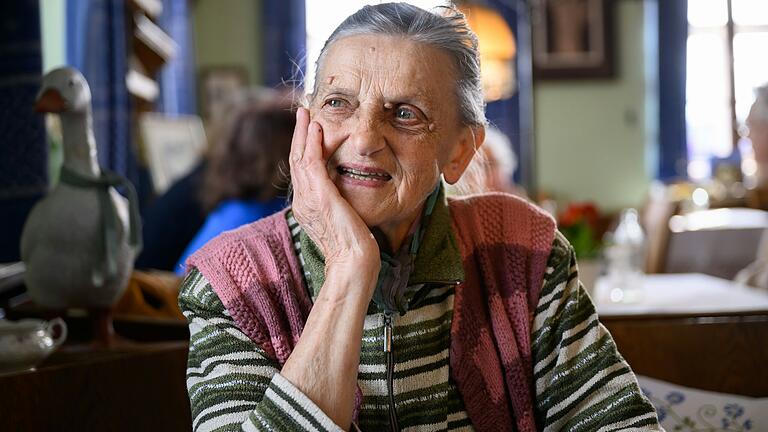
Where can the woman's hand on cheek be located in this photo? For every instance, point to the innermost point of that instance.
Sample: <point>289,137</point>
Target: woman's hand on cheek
<point>318,206</point>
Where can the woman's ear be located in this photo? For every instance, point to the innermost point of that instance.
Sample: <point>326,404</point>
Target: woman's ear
<point>471,139</point>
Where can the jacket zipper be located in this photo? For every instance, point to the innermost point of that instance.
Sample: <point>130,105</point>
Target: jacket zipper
<point>388,352</point>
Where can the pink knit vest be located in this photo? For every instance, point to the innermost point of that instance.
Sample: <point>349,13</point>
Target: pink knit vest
<point>504,243</point>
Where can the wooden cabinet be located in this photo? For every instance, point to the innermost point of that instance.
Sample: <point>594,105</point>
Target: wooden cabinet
<point>132,388</point>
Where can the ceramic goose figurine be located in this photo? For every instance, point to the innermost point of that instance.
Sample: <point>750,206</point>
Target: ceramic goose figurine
<point>80,241</point>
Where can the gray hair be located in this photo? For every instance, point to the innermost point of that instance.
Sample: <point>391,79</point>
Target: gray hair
<point>447,31</point>
<point>760,107</point>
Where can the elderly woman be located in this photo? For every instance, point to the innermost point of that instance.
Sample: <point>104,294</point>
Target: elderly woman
<point>374,302</point>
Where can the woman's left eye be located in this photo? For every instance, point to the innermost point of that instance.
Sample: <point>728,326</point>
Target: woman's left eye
<point>408,115</point>
<point>405,114</point>
<point>335,103</point>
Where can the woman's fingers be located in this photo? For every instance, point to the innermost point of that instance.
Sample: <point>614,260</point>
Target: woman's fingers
<point>313,149</point>
<point>309,175</point>
<point>299,135</point>
<point>317,204</point>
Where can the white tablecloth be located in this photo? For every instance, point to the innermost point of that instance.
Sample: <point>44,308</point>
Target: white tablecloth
<point>687,409</point>
<point>682,294</point>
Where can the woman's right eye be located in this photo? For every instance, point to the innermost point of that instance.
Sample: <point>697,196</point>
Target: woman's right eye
<point>335,103</point>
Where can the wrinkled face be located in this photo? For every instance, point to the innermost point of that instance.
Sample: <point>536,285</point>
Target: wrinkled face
<point>391,124</point>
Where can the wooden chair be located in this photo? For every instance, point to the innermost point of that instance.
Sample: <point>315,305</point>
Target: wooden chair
<point>717,242</point>
<point>655,217</point>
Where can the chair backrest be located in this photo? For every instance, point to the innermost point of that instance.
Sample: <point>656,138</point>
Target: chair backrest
<point>655,217</point>
<point>716,242</point>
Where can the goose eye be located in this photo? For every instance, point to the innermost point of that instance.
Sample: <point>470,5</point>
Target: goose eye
<point>71,83</point>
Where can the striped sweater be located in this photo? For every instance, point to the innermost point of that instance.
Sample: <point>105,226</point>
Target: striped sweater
<point>581,382</point>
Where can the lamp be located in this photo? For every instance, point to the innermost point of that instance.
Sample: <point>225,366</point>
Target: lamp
<point>497,47</point>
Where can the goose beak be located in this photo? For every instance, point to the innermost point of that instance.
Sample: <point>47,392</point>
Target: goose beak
<point>50,101</point>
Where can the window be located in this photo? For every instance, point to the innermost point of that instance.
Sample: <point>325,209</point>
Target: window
<point>323,17</point>
<point>727,60</point>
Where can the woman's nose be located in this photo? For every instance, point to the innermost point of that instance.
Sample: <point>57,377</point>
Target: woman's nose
<point>367,136</point>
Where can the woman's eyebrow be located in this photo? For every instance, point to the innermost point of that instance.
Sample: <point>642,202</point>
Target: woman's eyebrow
<point>330,89</point>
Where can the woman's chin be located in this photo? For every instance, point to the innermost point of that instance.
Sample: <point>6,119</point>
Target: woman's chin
<point>377,207</point>
<point>371,211</point>
<point>365,199</point>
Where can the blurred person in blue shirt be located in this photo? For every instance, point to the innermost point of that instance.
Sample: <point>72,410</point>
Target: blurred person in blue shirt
<point>245,176</point>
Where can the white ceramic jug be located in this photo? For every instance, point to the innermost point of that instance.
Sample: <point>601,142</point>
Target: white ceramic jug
<point>26,343</point>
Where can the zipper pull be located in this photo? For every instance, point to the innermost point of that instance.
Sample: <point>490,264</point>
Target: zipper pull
<point>387,333</point>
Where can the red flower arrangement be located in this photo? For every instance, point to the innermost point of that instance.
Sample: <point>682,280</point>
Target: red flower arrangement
<point>579,224</point>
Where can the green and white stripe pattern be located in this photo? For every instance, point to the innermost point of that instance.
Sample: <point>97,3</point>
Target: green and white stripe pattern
<point>582,384</point>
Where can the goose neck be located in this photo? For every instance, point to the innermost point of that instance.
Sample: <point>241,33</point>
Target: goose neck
<point>79,144</point>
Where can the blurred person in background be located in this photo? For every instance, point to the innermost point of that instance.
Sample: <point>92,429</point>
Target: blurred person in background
<point>246,173</point>
<point>756,274</point>
<point>170,221</point>
<point>492,169</point>
<point>757,122</point>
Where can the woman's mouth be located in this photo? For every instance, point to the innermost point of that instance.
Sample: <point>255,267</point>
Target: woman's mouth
<point>366,176</point>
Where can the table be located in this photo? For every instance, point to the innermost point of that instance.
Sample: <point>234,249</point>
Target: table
<point>693,330</point>
<point>685,293</point>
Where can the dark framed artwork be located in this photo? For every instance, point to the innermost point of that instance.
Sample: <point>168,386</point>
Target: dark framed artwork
<point>573,39</point>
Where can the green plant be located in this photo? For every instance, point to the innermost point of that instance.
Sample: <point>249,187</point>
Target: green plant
<point>579,223</point>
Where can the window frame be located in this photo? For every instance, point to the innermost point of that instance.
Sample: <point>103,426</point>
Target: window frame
<point>731,30</point>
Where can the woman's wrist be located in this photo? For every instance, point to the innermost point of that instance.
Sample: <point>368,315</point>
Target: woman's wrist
<point>350,280</point>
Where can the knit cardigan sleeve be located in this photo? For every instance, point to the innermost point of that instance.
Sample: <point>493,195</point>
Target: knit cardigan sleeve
<point>233,385</point>
<point>581,381</point>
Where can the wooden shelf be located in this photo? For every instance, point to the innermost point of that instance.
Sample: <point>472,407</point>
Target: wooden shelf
<point>152,46</point>
<point>151,49</point>
<point>141,85</point>
<point>152,8</point>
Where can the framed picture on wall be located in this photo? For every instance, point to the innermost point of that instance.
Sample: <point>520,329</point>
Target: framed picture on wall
<point>573,39</point>
<point>172,146</point>
<point>217,84</point>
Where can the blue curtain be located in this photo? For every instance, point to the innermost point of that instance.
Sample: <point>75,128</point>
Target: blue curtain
<point>177,78</point>
<point>673,38</point>
<point>23,149</point>
<point>514,116</point>
<point>97,45</point>
<point>285,39</point>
